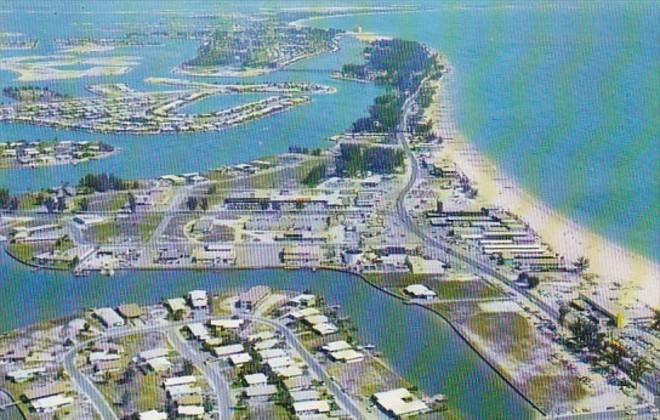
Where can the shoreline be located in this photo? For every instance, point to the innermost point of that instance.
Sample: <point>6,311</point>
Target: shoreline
<point>356,275</point>
<point>610,261</point>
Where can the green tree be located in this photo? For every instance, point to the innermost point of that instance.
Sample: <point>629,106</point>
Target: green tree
<point>533,282</point>
<point>83,204</point>
<point>204,203</point>
<point>191,203</point>
<point>132,202</point>
<point>564,310</point>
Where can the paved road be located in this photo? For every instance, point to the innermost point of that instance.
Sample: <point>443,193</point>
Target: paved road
<point>85,386</point>
<point>213,376</point>
<point>477,262</point>
<point>210,372</point>
<point>343,400</point>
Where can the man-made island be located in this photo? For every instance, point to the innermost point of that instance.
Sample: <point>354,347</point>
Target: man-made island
<point>117,108</point>
<point>261,353</point>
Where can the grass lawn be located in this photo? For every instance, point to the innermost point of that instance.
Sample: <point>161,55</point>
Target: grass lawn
<point>103,232</point>
<point>24,251</point>
<point>509,332</point>
<point>148,224</point>
<point>453,289</point>
<point>547,389</point>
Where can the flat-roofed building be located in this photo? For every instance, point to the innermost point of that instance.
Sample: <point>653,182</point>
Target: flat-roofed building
<point>271,353</point>
<point>279,362</point>
<point>198,299</point>
<point>193,411</point>
<point>186,389</point>
<point>225,351</point>
<point>419,265</point>
<point>266,344</point>
<point>347,356</point>
<point>198,331</point>
<point>248,300</point>
<point>109,317</point>
<point>309,395</point>
<point>303,300</point>
<point>227,324</point>
<point>311,407</point>
<point>419,291</point>
<point>146,355</point>
<point>316,319</point>
<point>44,391</point>
<point>334,346</point>
<point>179,380</point>
<point>260,391</point>
<point>159,364</point>
<point>325,329</point>
<point>176,304</point>
<point>152,415</point>
<point>289,372</point>
<point>240,359</point>
<point>399,402</point>
<point>256,379</point>
<point>50,404</point>
<point>302,313</point>
<point>298,383</point>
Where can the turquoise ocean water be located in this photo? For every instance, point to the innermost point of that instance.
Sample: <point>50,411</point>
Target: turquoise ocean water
<point>564,96</point>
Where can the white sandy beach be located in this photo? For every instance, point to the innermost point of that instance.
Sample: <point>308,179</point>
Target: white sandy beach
<point>639,276</point>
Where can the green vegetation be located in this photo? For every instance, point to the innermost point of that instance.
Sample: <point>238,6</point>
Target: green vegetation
<point>508,332</point>
<point>384,115</point>
<point>357,159</point>
<point>315,175</point>
<point>7,201</point>
<point>23,251</point>
<point>103,182</point>
<point>545,389</point>
<point>32,94</point>
<point>264,44</point>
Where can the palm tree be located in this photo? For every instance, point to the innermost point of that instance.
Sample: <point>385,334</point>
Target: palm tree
<point>582,264</point>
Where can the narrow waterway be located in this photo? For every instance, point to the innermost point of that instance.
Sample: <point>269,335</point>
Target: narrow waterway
<point>418,344</point>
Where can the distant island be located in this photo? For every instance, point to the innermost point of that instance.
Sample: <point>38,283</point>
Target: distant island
<point>257,46</point>
<point>51,152</point>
